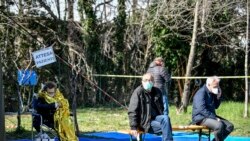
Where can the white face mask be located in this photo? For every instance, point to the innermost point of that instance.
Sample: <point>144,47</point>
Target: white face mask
<point>215,90</point>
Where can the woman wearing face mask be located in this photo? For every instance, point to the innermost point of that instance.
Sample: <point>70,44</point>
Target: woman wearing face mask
<point>146,110</point>
<point>206,100</point>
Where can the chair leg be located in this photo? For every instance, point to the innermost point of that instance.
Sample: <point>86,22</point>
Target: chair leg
<point>200,134</point>
<point>209,132</point>
<point>138,138</point>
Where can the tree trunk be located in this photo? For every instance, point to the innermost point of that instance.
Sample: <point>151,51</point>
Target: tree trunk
<point>58,9</point>
<point>134,8</point>
<point>190,60</point>
<point>74,102</point>
<point>246,64</point>
<point>105,11</point>
<point>73,77</point>
<point>205,12</point>
<point>20,103</point>
<point>20,11</point>
<point>120,34</point>
<point>70,31</point>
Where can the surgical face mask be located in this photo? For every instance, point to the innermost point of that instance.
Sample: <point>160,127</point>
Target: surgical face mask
<point>215,90</point>
<point>147,85</point>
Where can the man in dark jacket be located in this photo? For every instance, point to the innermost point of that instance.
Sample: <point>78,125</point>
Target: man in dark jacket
<point>205,101</point>
<point>161,80</point>
<point>146,110</point>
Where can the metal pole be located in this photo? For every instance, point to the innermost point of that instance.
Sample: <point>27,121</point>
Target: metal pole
<point>2,112</point>
<point>2,121</point>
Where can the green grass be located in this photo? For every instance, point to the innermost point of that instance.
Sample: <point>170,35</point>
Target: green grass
<point>234,112</point>
<point>102,119</point>
<point>114,119</point>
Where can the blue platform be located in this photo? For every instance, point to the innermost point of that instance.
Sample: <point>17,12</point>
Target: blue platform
<point>178,136</point>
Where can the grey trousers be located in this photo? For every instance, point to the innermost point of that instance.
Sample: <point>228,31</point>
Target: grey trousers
<point>221,128</point>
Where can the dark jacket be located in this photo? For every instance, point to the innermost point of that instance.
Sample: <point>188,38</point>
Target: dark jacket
<point>204,105</point>
<point>139,111</point>
<point>161,76</point>
<point>46,110</point>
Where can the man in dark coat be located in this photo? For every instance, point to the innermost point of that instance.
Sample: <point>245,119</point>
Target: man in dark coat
<point>146,110</point>
<point>161,80</point>
<point>205,101</point>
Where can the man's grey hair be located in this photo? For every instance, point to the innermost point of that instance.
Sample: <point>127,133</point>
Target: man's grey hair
<point>148,74</point>
<point>212,79</point>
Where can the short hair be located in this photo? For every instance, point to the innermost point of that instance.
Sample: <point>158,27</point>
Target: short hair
<point>147,74</point>
<point>212,79</point>
<point>49,85</point>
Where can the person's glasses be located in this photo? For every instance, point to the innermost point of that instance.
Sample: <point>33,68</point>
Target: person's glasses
<point>51,93</point>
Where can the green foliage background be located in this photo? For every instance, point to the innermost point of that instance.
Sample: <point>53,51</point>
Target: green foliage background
<point>124,45</point>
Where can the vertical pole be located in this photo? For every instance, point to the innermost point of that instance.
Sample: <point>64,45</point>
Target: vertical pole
<point>2,118</point>
<point>245,114</point>
<point>2,121</point>
<point>19,110</point>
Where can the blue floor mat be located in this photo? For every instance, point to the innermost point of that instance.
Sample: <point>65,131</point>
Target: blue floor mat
<point>178,136</point>
<point>115,136</point>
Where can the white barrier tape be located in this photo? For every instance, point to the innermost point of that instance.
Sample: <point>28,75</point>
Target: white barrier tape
<point>205,77</point>
<point>173,77</point>
<point>125,76</point>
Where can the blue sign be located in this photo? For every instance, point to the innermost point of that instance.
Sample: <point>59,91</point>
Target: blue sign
<point>26,77</point>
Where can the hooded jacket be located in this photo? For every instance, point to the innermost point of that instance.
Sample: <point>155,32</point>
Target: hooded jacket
<point>204,105</point>
<point>161,76</point>
<point>139,111</point>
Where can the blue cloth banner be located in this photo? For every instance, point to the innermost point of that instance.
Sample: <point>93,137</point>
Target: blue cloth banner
<point>26,77</point>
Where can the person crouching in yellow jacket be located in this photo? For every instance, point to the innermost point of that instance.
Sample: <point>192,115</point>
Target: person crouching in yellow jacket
<point>54,109</point>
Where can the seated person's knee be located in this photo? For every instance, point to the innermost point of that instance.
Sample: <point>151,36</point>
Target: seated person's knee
<point>219,126</point>
<point>230,127</point>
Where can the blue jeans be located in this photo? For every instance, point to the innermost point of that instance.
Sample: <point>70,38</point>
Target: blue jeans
<point>165,104</point>
<point>164,91</point>
<point>162,124</point>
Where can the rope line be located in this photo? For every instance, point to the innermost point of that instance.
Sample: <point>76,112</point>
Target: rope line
<point>172,77</point>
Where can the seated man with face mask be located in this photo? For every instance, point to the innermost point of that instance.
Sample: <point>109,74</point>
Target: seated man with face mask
<point>146,110</point>
<point>206,100</point>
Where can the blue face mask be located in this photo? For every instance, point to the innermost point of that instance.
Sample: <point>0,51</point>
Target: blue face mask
<point>147,86</point>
